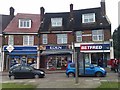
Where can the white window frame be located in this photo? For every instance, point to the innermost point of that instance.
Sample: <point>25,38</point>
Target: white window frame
<point>88,18</point>
<point>10,40</point>
<point>24,23</point>
<point>28,40</point>
<point>44,39</point>
<point>62,38</point>
<point>78,36</point>
<point>97,35</point>
<point>56,22</point>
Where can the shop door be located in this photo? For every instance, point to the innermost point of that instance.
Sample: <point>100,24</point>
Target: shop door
<point>23,61</point>
<point>87,58</point>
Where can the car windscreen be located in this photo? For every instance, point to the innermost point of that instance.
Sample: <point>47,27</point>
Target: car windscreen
<point>72,65</point>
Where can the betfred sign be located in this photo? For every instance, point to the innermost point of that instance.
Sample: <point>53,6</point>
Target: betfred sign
<point>95,47</point>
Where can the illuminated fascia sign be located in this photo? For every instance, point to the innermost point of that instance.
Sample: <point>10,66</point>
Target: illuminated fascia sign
<point>95,47</point>
<point>56,47</point>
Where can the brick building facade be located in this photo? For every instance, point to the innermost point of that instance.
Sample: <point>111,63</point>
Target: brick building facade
<point>56,34</point>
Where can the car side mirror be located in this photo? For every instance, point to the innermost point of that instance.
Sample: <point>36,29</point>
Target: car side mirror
<point>30,70</point>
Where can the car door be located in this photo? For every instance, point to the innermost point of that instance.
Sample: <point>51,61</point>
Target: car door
<point>26,72</point>
<point>16,72</point>
<point>89,70</point>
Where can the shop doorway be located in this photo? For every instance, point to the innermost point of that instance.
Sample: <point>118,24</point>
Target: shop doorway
<point>97,59</point>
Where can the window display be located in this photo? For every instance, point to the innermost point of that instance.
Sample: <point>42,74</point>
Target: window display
<point>56,62</point>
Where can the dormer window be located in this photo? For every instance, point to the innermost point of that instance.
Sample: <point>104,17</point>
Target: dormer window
<point>88,18</point>
<point>56,22</point>
<point>24,23</point>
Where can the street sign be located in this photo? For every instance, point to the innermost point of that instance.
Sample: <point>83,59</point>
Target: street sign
<point>10,48</point>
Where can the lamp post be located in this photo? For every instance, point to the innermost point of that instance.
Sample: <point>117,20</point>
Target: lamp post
<point>74,53</point>
<point>103,55</point>
<point>39,49</point>
<point>38,52</point>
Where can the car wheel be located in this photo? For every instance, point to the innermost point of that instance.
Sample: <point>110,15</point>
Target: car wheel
<point>36,76</point>
<point>12,77</point>
<point>71,74</point>
<point>98,74</point>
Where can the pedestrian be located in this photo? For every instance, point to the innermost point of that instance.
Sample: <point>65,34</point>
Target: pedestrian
<point>115,65</point>
<point>100,63</point>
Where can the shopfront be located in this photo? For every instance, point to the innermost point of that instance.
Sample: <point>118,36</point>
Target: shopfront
<point>97,54</point>
<point>25,55</point>
<point>56,57</point>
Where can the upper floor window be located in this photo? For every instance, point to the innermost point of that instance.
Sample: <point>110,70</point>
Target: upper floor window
<point>44,39</point>
<point>28,40</point>
<point>88,18</point>
<point>24,23</point>
<point>97,35</point>
<point>10,40</point>
<point>78,36</point>
<point>56,22</point>
<point>61,38</point>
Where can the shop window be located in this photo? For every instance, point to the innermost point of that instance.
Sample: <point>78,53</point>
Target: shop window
<point>28,40</point>
<point>56,62</point>
<point>97,35</point>
<point>61,38</point>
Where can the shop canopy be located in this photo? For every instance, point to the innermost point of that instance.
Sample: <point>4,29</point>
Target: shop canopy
<point>51,52</point>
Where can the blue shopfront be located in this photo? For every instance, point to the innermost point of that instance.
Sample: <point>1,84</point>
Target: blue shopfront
<point>25,55</point>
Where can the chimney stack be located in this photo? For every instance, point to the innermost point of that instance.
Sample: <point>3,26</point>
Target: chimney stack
<point>42,10</point>
<point>103,9</point>
<point>71,11</point>
<point>11,11</point>
<point>71,7</point>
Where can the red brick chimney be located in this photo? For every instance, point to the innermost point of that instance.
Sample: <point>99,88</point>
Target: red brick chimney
<point>42,10</point>
<point>103,9</point>
<point>11,11</point>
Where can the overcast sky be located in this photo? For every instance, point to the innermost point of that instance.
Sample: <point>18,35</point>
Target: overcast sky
<point>33,6</point>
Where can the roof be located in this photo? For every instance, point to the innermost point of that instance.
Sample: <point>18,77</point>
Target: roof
<point>4,21</point>
<point>77,23</point>
<point>47,20</point>
<point>98,17</point>
<point>13,26</point>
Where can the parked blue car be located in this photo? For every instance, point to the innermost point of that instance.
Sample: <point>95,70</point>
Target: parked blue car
<point>90,70</point>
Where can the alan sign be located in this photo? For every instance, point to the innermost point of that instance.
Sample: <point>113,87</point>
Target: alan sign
<point>95,47</point>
